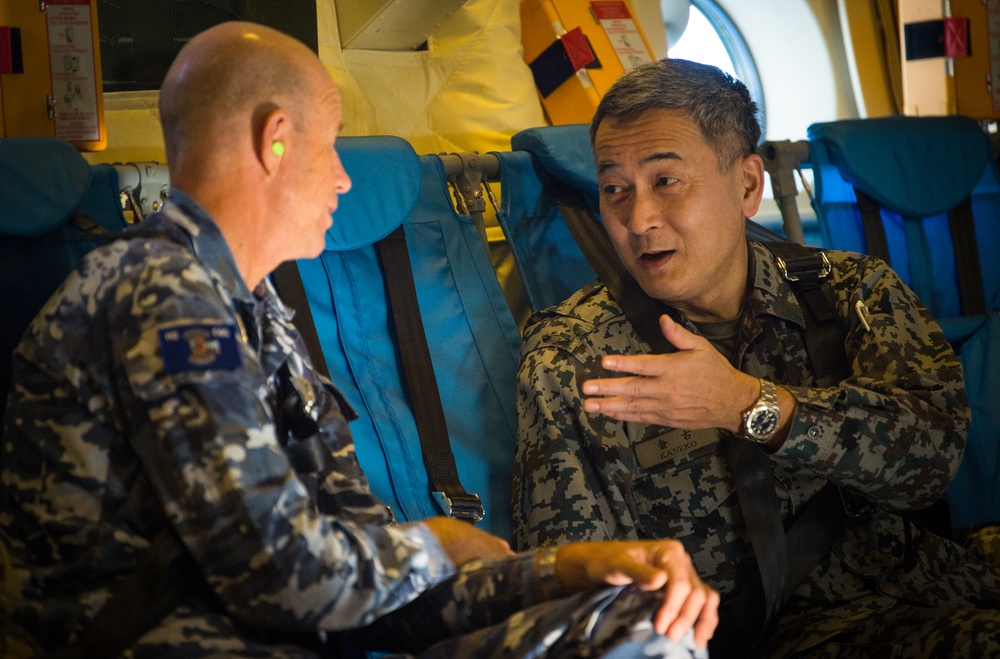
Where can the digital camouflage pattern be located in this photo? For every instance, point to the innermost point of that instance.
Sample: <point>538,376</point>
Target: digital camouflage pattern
<point>145,396</point>
<point>893,431</point>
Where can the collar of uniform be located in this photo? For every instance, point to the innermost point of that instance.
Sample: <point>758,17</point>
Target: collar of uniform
<point>273,303</point>
<point>207,242</point>
<point>770,293</point>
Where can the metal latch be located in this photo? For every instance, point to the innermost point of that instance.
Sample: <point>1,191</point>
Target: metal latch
<point>467,508</point>
<point>814,266</point>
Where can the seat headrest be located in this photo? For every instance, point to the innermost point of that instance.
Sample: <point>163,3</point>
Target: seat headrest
<point>385,176</point>
<point>915,166</point>
<point>564,152</point>
<point>44,179</point>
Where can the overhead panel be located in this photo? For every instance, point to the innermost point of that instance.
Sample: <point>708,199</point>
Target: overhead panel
<point>391,24</point>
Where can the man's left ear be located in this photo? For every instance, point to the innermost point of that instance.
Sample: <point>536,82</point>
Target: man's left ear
<point>272,144</point>
<point>753,184</point>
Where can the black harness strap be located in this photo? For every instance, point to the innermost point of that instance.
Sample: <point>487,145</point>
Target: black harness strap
<point>970,276</point>
<point>876,243</point>
<point>288,282</point>
<point>963,240</point>
<point>805,270</point>
<point>428,412</point>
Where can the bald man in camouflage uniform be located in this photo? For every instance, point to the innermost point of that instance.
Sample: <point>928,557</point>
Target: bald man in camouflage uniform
<point>619,443</point>
<point>163,393</point>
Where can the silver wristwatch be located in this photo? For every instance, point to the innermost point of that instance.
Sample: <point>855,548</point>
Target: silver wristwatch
<point>760,422</point>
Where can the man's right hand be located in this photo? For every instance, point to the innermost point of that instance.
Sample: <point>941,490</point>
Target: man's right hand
<point>687,602</point>
<point>463,542</point>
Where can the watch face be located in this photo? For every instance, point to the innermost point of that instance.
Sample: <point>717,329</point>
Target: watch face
<point>763,423</point>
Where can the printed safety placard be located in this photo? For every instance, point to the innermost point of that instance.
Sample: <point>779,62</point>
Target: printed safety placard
<point>74,77</point>
<point>616,19</point>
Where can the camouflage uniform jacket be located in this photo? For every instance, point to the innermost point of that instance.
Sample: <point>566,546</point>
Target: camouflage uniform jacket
<point>893,431</point>
<point>144,396</point>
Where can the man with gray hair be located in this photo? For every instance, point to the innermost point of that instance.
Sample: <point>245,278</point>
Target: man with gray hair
<point>784,434</point>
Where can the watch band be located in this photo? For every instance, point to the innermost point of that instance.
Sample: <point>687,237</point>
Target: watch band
<point>765,410</point>
<point>768,393</point>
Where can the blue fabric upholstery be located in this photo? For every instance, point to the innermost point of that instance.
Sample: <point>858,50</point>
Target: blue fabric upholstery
<point>564,152</point>
<point>45,181</point>
<point>473,340</point>
<point>916,168</point>
<point>551,264</point>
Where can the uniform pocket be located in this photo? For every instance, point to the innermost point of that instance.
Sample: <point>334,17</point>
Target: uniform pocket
<point>688,494</point>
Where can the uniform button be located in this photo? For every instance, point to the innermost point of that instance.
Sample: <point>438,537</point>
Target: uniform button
<point>815,432</point>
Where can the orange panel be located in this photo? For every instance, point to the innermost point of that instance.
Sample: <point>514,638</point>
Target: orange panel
<point>975,96</point>
<point>617,40</point>
<point>23,95</point>
<point>72,62</point>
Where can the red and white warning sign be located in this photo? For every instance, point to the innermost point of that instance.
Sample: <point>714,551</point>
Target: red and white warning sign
<point>618,23</point>
<point>74,76</point>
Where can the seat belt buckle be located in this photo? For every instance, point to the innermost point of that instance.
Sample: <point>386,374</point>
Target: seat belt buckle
<point>855,505</point>
<point>815,266</point>
<point>466,507</point>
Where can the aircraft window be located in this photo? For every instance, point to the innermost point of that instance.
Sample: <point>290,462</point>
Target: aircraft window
<point>711,37</point>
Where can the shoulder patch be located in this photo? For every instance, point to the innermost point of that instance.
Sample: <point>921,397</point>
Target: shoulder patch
<point>199,348</point>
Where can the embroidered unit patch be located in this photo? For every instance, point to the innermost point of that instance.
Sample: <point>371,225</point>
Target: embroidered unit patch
<point>199,348</point>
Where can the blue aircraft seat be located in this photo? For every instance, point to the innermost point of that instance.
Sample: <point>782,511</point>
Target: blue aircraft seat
<point>541,162</point>
<point>471,334</point>
<point>54,208</point>
<point>914,170</point>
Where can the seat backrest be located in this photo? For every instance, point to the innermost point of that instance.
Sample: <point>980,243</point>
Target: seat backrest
<point>45,183</point>
<point>471,334</point>
<point>541,161</point>
<point>915,169</point>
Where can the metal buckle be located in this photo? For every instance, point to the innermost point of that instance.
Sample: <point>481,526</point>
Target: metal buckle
<point>467,508</point>
<point>822,272</point>
<point>855,505</point>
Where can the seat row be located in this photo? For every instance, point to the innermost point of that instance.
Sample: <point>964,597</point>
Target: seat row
<point>59,206</point>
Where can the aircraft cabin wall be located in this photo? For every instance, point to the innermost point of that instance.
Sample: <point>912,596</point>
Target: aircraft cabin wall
<point>469,90</point>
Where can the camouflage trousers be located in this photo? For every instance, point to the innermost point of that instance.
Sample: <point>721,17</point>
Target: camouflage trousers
<point>945,605</point>
<point>899,631</point>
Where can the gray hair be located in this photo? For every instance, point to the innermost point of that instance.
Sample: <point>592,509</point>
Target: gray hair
<point>718,103</point>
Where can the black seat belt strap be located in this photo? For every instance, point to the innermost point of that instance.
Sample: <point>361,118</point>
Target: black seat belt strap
<point>418,370</point>
<point>967,267</point>
<point>805,270</point>
<point>876,243</point>
<point>288,282</point>
<point>963,239</point>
